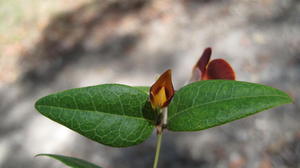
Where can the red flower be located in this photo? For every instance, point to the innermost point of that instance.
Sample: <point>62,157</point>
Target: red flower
<point>215,69</point>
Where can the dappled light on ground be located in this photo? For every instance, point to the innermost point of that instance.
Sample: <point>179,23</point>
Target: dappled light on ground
<point>131,42</point>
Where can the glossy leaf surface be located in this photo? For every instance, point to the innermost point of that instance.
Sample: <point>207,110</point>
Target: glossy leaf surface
<point>111,114</point>
<point>210,103</point>
<point>71,161</point>
<point>143,88</point>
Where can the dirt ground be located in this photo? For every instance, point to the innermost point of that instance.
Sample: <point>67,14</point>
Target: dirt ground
<point>48,46</point>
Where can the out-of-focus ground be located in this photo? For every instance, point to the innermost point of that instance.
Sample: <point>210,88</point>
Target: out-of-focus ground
<point>48,46</point>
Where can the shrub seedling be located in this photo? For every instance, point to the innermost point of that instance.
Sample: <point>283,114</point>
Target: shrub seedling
<point>121,116</point>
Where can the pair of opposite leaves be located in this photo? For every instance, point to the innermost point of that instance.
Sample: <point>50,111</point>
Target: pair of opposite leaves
<point>162,91</point>
<point>121,116</point>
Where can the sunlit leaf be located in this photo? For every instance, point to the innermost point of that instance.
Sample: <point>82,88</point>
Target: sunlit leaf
<point>210,103</point>
<point>143,88</point>
<point>111,114</point>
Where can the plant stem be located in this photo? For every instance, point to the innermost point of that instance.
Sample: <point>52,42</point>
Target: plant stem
<point>158,144</point>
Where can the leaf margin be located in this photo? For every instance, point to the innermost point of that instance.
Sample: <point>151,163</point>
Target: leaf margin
<point>63,159</point>
<point>288,101</point>
<point>150,126</point>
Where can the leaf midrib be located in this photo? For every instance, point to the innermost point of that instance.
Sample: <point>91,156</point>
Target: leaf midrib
<point>126,116</point>
<point>213,102</point>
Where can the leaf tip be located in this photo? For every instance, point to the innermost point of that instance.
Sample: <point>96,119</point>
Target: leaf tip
<point>41,154</point>
<point>291,99</point>
<point>37,103</point>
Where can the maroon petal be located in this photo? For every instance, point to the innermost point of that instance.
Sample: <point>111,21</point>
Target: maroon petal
<point>219,69</point>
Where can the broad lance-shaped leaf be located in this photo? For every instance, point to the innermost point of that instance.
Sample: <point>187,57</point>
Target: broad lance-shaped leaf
<point>71,161</point>
<point>111,114</point>
<point>210,103</point>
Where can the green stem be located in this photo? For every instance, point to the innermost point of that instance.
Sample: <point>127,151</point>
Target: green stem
<point>158,143</point>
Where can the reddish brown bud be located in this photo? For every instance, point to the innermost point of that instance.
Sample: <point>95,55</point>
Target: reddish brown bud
<point>162,91</point>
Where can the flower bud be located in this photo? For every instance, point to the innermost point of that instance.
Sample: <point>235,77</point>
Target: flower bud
<point>162,91</point>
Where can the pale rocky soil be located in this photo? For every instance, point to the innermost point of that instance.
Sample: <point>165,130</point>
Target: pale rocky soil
<point>131,42</point>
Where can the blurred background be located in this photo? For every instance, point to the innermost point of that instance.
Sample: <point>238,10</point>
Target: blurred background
<point>51,45</point>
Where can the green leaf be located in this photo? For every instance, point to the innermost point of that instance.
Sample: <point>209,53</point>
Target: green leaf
<point>210,103</point>
<point>71,161</point>
<point>111,114</point>
<point>143,88</point>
